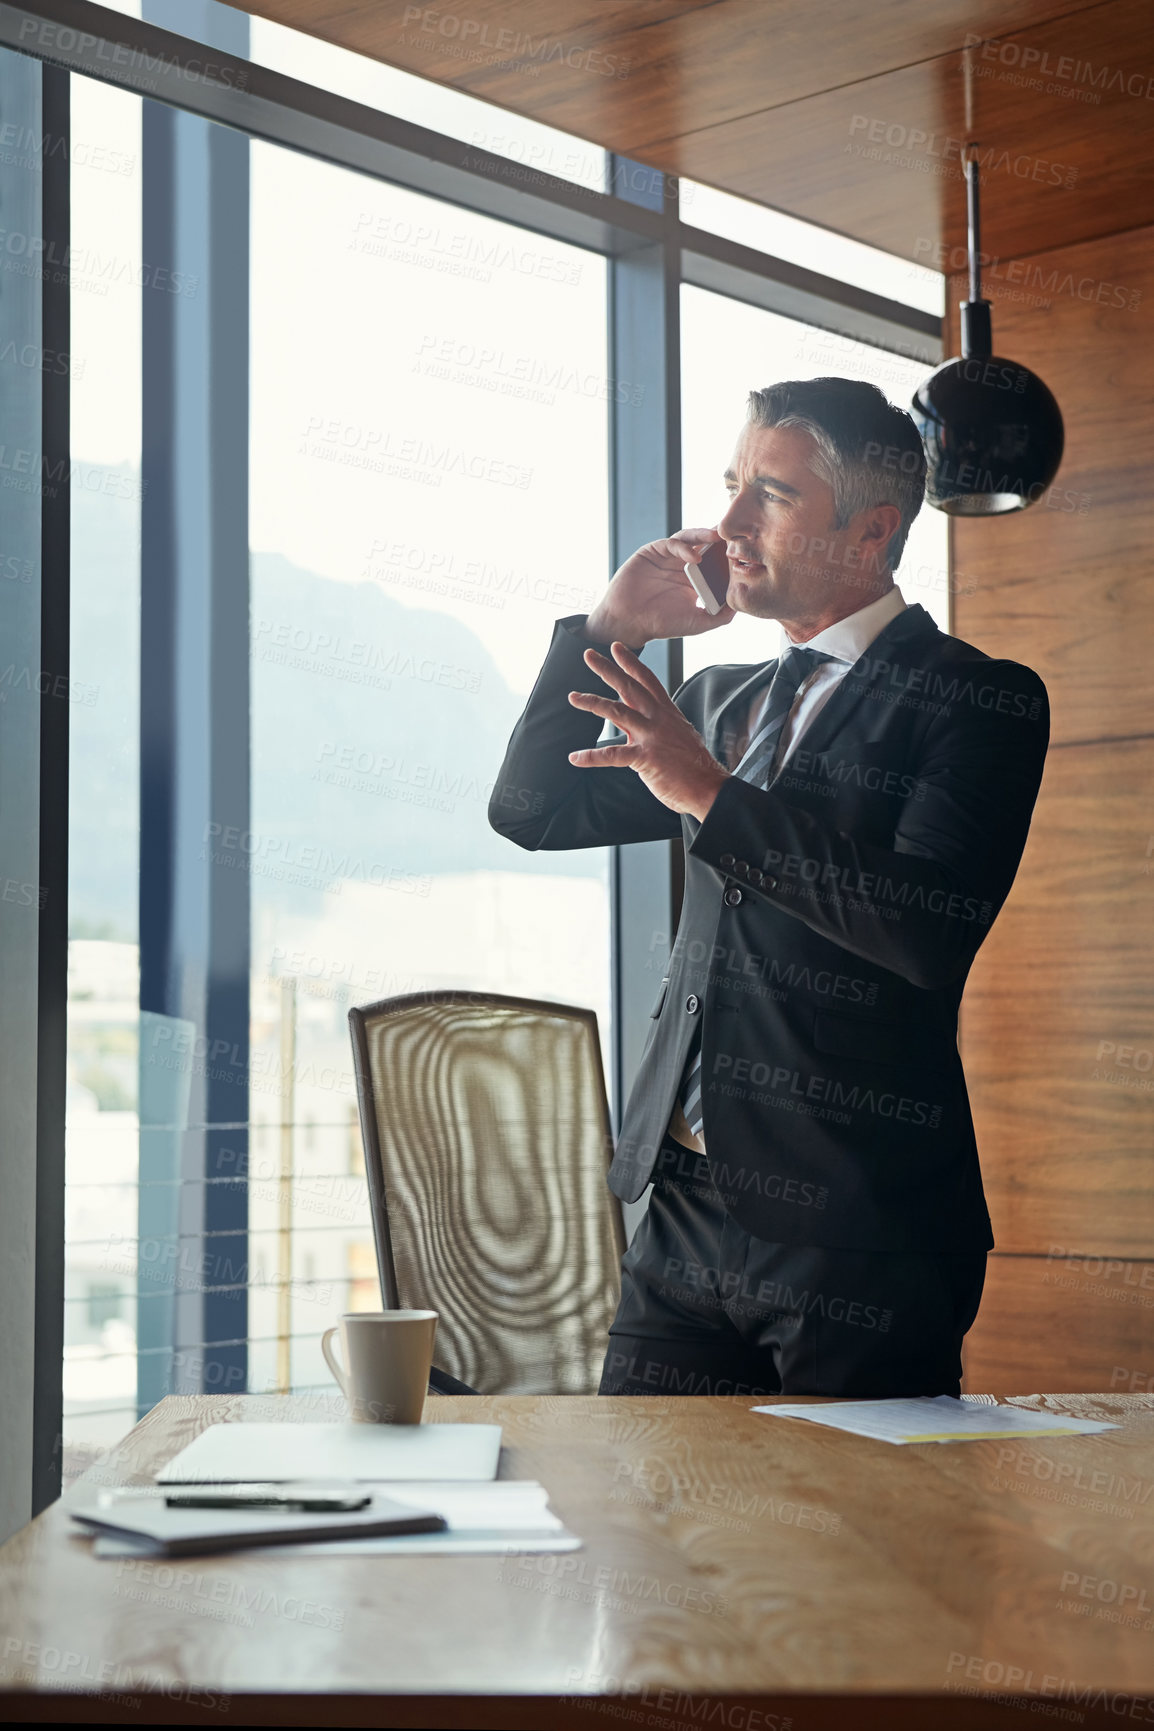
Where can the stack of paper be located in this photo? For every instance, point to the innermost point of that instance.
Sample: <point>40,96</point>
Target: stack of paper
<point>935,1418</point>
<point>505,1515</point>
<point>502,1516</point>
<point>448,1470</point>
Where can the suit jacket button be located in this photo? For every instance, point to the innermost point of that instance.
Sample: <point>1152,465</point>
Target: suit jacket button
<point>741,869</point>
<point>692,1003</point>
<point>732,897</point>
<point>725,861</point>
<point>769,883</point>
<point>754,876</point>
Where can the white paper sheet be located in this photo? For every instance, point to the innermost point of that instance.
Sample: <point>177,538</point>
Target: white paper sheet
<point>450,1544</point>
<point>935,1418</point>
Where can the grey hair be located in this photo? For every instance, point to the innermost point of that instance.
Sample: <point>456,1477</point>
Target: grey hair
<point>867,451</point>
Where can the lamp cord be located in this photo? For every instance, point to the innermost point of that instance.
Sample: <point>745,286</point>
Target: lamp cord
<point>972,226</point>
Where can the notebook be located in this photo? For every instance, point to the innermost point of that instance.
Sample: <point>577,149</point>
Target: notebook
<point>238,1453</point>
<point>158,1531</point>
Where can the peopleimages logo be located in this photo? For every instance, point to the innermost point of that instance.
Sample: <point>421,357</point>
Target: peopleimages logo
<point>853,773</point>
<point>1039,63</point>
<point>51,40</point>
<point>517,45</point>
<point>913,147</point>
<point>789,1090</point>
<point>874,889</point>
<point>575,1577</point>
<point>1002,700</point>
<point>1028,274</point>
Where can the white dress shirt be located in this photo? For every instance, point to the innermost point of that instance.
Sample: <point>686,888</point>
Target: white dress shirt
<point>846,641</point>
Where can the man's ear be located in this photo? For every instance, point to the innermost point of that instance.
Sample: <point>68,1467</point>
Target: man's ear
<point>879,525</point>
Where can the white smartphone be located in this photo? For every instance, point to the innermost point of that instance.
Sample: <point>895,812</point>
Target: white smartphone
<point>710,578</point>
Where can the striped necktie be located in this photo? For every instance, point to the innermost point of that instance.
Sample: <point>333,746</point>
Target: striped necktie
<point>793,670</point>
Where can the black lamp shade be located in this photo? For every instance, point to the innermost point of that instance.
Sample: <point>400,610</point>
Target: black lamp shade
<point>993,435</point>
<point>992,430</point>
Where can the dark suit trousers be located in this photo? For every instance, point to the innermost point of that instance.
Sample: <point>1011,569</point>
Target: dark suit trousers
<point>707,1309</point>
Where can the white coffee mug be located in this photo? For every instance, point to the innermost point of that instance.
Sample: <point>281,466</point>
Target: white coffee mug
<point>388,1355</point>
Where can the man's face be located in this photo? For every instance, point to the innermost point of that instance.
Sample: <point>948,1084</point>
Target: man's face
<point>786,560</point>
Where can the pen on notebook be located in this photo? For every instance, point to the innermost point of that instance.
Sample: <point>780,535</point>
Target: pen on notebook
<point>303,1499</point>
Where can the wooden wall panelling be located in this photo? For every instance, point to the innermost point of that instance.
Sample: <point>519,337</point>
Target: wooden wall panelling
<point>1084,1323</point>
<point>1058,1016</point>
<point>1066,584</point>
<point>1058,1019</point>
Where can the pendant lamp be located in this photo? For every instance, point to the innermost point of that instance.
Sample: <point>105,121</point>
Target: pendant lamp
<point>992,430</point>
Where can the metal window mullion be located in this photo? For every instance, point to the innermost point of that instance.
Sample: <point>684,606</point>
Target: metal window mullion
<point>52,994</point>
<point>739,272</point>
<point>645,503</point>
<point>194,721</point>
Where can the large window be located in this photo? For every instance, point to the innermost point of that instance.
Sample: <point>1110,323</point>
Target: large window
<point>108,278</point>
<point>429,474</point>
<point>428,493</point>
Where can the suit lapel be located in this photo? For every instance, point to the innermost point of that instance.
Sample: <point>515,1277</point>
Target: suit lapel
<point>728,715</point>
<point>868,670</point>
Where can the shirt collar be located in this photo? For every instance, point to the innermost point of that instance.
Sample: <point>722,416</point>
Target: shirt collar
<point>850,637</point>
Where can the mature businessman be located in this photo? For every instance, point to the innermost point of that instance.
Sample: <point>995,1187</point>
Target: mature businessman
<point>853,814</point>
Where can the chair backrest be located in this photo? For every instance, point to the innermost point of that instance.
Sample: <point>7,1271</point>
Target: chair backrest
<point>487,1141</point>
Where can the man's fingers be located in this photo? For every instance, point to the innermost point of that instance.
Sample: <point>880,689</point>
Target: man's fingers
<point>626,673</point>
<point>614,674</point>
<point>694,537</point>
<point>636,669</point>
<point>606,707</point>
<point>606,757</point>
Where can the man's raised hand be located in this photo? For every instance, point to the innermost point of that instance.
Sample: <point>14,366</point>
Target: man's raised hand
<point>666,751</point>
<point>650,596</point>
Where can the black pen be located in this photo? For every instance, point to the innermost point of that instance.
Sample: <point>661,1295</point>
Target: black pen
<point>301,1499</point>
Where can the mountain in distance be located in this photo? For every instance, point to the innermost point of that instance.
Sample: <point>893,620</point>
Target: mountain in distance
<point>377,731</point>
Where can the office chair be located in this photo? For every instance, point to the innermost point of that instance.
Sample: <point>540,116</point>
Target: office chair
<point>487,1140</point>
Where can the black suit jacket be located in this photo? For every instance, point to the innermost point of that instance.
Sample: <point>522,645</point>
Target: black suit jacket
<point>828,926</point>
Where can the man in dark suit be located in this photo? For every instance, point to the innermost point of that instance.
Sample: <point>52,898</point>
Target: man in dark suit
<point>853,815</point>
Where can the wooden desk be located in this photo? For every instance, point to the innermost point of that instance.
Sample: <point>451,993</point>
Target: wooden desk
<point>738,1571</point>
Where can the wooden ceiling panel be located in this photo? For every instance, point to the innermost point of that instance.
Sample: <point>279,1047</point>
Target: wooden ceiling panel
<point>881,158</point>
<point>677,65</point>
<point>741,57</point>
<point>843,113</point>
<point>810,159</point>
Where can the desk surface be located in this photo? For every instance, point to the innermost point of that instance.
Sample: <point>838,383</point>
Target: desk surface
<point>784,1568</point>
